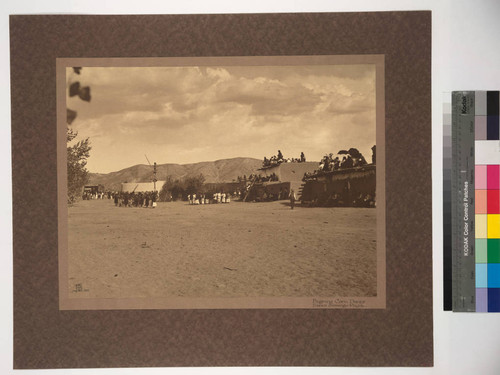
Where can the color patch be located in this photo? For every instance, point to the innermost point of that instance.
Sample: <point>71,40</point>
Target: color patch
<point>493,201</point>
<point>481,299</point>
<point>493,177</point>
<point>481,250</point>
<point>492,128</point>
<point>493,225</point>
<point>480,128</point>
<point>493,249</point>
<point>480,104</point>
<point>481,226</point>
<point>481,206</point>
<point>481,177</point>
<point>493,300</point>
<point>486,152</point>
<point>492,103</point>
<point>493,275</point>
<point>481,275</point>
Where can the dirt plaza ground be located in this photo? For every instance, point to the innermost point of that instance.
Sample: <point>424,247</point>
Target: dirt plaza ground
<point>220,250</point>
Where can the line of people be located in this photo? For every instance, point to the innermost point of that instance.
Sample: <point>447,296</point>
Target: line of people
<point>90,195</point>
<point>87,195</point>
<point>214,198</point>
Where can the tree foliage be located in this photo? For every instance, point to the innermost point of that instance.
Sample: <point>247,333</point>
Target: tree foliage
<point>171,190</point>
<point>78,176</point>
<point>75,89</point>
<point>78,153</point>
<point>194,184</point>
<point>180,188</point>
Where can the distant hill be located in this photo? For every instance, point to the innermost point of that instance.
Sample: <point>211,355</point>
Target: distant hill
<point>225,170</point>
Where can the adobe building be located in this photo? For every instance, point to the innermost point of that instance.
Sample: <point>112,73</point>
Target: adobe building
<point>289,175</point>
<point>137,187</point>
<point>350,187</point>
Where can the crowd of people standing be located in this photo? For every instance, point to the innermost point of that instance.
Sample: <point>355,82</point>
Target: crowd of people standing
<point>88,195</point>
<point>135,199</point>
<point>214,198</point>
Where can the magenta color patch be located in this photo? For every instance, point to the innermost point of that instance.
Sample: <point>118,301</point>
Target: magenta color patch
<point>480,128</point>
<point>493,177</point>
<point>480,180</point>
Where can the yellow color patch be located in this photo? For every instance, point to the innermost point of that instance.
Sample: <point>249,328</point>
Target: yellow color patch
<point>481,226</point>
<point>494,226</point>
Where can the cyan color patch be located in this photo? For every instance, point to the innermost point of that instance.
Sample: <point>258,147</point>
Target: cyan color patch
<point>481,275</point>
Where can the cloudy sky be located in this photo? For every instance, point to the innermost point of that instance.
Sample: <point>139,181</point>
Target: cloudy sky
<point>192,114</point>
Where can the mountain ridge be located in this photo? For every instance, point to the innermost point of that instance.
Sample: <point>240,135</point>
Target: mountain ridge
<point>221,170</point>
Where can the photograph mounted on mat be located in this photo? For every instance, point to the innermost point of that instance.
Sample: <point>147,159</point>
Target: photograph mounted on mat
<point>211,223</point>
<point>154,158</point>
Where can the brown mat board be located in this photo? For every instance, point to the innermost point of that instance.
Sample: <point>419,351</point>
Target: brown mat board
<point>399,335</point>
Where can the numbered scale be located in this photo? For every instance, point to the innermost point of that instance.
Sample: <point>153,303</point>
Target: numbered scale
<point>462,201</point>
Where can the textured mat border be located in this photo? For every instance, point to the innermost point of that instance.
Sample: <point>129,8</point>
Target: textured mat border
<point>400,335</point>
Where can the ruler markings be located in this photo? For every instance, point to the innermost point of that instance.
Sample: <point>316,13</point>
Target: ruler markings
<point>463,237</point>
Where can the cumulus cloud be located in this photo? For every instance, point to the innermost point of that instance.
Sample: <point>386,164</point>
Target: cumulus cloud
<point>191,114</point>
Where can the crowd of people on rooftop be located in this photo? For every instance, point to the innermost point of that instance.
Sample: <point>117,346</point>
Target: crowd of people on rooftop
<point>351,158</point>
<point>258,178</point>
<point>278,159</point>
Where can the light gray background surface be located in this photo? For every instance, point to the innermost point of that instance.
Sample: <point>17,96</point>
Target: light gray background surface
<point>465,56</point>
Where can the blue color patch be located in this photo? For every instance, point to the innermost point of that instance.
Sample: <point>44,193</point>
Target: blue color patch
<point>493,275</point>
<point>493,299</point>
<point>481,275</point>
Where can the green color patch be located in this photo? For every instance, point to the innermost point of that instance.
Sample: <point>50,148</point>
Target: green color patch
<point>481,250</point>
<point>493,250</point>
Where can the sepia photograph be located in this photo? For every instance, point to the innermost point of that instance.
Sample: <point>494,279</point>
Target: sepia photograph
<point>253,182</point>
